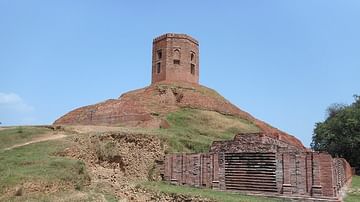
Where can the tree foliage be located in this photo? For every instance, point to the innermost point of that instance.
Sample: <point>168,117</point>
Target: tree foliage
<point>339,134</point>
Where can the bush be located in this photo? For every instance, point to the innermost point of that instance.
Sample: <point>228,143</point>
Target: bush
<point>339,134</point>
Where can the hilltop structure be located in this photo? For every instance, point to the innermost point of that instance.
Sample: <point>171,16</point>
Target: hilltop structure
<point>269,161</point>
<point>174,85</point>
<point>175,58</point>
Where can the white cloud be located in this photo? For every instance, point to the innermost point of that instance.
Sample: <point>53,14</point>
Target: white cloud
<point>13,102</point>
<point>14,110</point>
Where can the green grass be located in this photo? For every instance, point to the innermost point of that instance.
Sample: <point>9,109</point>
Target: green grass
<point>201,89</point>
<point>37,164</point>
<point>353,194</point>
<point>205,193</point>
<point>193,130</point>
<point>33,167</point>
<point>20,134</point>
<point>65,196</point>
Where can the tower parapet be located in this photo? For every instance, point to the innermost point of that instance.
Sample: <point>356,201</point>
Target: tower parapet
<point>175,58</point>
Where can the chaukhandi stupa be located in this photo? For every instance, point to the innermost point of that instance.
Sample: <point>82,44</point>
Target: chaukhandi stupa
<point>254,157</point>
<point>175,85</point>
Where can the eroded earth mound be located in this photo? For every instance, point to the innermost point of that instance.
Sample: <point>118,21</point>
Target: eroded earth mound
<point>148,108</point>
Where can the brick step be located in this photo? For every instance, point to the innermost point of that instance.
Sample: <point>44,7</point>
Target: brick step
<point>250,187</point>
<point>256,177</point>
<point>249,180</point>
<point>249,157</point>
<point>250,167</point>
<point>247,164</point>
<point>263,178</point>
<point>250,171</point>
<point>250,163</point>
<point>245,175</point>
<point>230,171</point>
<point>269,170</point>
<point>239,163</point>
<point>250,154</point>
<point>263,183</point>
<point>244,189</point>
<point>237,179</point>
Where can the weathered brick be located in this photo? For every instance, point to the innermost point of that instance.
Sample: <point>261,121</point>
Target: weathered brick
<point>264,164</point>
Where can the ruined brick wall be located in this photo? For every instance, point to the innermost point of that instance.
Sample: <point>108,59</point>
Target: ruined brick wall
<point>252,142</point>
<point>307,173</point>
<point>261,164</point>
<point>198,170</point>
<point>342,173</point>
<point>313,173</point>
<point>300,174</point>
<point>175,58</point>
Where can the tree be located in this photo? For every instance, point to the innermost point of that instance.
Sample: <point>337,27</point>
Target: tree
<point>339,134</point>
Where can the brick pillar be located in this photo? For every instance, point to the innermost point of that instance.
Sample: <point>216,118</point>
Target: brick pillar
<point>286,186</point>
<point>221,161</point>
<point>326,179</point>
<point>167,168</point>
<point>215,171</point>
<point>185,168</point>
<point>197,168</point>
<point>301,173</point>
<point>279,172</point>
<point>309,173</point>
<point>316,189</point>
<point>174,169</point>
<point>201,174</point>
<point>182,170</point>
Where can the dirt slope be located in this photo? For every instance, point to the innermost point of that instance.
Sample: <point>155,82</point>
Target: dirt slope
<point>117,160</point>
<point>45,137</point>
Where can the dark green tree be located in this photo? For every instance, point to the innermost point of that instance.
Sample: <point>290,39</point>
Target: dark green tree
<point>339,134</point>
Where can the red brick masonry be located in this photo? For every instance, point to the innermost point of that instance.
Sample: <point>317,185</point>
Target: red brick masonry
<point>259,163</point>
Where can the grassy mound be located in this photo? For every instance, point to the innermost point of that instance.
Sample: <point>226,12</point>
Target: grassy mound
<point>19,135</point>
<point>194,130</point>
<point>35,168</point>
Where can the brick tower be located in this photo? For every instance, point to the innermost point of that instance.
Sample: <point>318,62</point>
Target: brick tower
<point>175,58</point>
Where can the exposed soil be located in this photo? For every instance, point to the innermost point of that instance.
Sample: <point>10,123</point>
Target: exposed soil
<point>118,161</point>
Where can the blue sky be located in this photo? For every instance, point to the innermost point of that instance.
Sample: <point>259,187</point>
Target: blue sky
<point>284,61</point>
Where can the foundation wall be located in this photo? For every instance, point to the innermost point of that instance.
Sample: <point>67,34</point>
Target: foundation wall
<point>275,171</point>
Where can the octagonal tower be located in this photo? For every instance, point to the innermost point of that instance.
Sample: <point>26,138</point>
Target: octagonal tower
<point>175,58</point>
